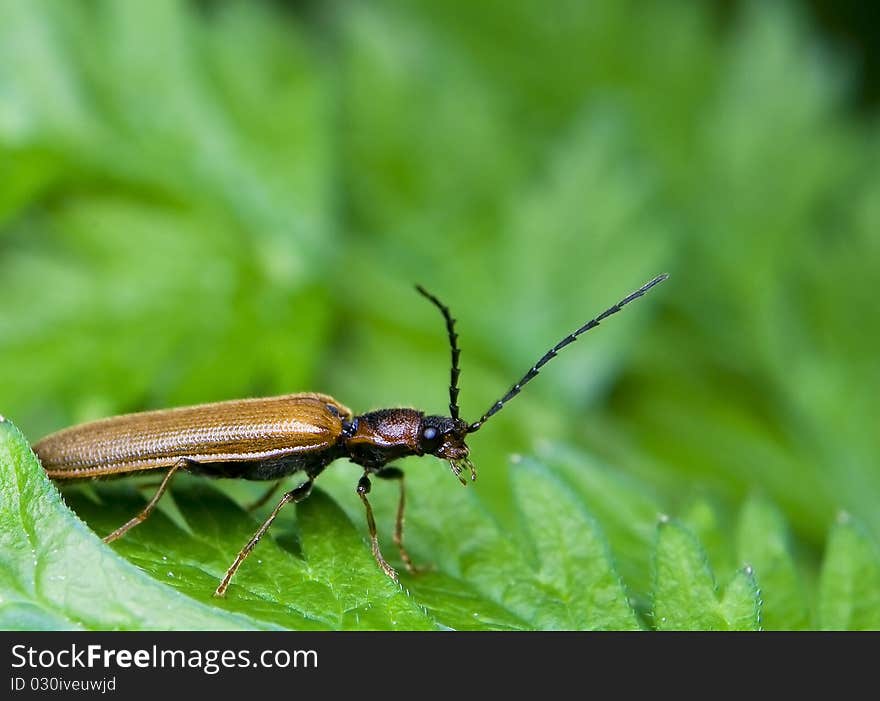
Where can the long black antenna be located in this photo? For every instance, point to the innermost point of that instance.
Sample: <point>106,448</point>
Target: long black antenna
<point>550,354</point>
<point>453,344</point>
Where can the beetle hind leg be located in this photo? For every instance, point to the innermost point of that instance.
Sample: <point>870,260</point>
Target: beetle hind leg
<point>148,509</point>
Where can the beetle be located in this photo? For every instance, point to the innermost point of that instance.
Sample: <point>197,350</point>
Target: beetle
<point>271,438</point>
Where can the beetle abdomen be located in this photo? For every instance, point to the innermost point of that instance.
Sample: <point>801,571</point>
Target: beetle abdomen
<point>245,430</point>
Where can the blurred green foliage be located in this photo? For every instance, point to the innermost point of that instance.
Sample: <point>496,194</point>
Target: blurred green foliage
<point>202,201</point>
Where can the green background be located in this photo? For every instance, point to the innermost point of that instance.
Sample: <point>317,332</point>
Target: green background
<point>204,201</point>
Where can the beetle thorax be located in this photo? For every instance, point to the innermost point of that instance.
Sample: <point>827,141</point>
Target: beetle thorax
<point>379,437</point>
<point>376,438</point>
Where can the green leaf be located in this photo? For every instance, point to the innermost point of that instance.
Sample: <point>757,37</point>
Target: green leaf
<point>626,508</point>
<point>553,570</point>
<point>311,572</point>
<point>684,587</point>
<point>685,594</point>
<point>741,604</point>
<point>705,518</point>
<point>849,585</point>
<point>55,573</point>
<point>571,558</point>
<point>762,540</point>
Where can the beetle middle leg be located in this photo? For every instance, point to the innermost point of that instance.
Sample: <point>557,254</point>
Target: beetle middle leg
<point>294,496</point>
<point>363,489</point>
<point>395,473</point>
<point>262,499</point>
<point>148,509</point>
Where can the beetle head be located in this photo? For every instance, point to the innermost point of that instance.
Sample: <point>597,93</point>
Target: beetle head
<point>445,437</point>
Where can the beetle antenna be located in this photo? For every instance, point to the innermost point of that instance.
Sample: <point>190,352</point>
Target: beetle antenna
<point>453,345</point>
<point>549,355</point>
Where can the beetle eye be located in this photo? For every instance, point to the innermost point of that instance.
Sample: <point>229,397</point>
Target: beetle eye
<point>431,438</point>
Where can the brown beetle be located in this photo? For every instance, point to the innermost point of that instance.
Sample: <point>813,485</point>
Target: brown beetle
<point>271,438</point>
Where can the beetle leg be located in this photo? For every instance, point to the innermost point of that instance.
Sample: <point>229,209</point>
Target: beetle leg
<point>253,506</point>
<point>294,496</point>
<point>363,489</point>
<point>395,473</point>
<point>148,509</point>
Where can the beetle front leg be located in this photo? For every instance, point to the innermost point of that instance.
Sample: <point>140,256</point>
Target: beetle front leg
<point>395,473</point>
<point>363,489</point>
